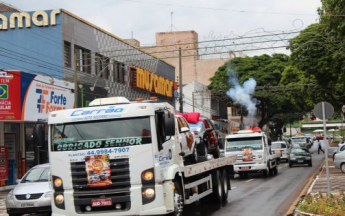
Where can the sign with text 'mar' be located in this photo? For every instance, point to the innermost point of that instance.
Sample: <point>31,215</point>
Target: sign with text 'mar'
<point>151,82</point>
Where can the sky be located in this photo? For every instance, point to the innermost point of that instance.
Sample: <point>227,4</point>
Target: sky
<point>211,19</point>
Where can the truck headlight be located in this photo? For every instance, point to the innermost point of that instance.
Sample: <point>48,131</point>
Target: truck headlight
<point>147,175</point>
<point>58,182</point>
<point>149,193</point>
<point>59,199</point>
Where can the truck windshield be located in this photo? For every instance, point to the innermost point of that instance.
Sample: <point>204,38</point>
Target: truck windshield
<point>237,144</point>
<point>101,134</point>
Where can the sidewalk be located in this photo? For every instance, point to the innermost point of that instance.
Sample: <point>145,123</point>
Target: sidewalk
<point>3,195</point>
<point>336,177</point>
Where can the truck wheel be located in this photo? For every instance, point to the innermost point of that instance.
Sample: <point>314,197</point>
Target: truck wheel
<point>217,187</point>
<point>266,172</point>
<point>275,170</point>
<point>225,184</point>
<point>178,200</point>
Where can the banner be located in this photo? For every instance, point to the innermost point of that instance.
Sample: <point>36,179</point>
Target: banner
<point>3,163</point>
<point>10,96</point>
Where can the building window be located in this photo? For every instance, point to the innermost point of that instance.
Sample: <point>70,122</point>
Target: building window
<point>67,54</point>
<point>83,59</point>
<point>119,72</point>
<point>102,66</point>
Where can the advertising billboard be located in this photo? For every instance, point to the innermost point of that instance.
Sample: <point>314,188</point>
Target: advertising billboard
<point>29,97</point>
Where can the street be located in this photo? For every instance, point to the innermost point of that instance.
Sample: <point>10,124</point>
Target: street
<point>257,195</point>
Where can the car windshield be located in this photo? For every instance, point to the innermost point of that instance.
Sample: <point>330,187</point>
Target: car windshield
<point>237,144</point>
<point>196,125</point>
<point>278,146</point>
<point>299,151</point>
<point>298,140</point>
<point>36,175</point>
<point>101,134</point>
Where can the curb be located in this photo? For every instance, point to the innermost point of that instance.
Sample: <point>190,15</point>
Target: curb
<point>304,190</point>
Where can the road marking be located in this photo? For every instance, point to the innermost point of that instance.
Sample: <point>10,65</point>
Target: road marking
<point>249,180</point>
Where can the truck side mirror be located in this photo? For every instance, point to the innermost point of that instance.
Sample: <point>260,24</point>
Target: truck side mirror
<point>169,124</point>
<point>184,129</point>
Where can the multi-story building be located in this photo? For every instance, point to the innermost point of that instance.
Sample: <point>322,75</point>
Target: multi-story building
<point>75,55</point>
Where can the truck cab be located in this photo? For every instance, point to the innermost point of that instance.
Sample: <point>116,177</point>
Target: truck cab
<point>253,153</point>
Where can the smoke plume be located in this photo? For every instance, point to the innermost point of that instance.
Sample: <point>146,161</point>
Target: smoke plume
<point>242,94</point>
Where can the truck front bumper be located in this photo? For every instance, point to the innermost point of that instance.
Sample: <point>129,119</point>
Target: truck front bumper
<point>249,167</point>
<point>156,207</point>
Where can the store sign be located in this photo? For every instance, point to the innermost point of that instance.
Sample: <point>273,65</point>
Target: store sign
<point>42,98</point>
<point>38,18</point>
<point>3,163</point>
<point>9,96</point>
<point>152,82</point>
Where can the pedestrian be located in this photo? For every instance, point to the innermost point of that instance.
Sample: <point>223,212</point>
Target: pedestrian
<point>318,151</point>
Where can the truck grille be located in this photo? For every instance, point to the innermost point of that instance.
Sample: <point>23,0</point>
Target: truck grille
<point>32,196</point>
<point>118,191</point>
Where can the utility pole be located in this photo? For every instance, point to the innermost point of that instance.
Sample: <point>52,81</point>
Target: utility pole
<point>180,79</point>
<point>75,81</point>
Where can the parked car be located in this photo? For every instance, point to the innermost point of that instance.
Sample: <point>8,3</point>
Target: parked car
<point>32,194</point>
<point>339,159</point>
<point>187,139</point>
<point>300,156</point>
<point>280,147</point>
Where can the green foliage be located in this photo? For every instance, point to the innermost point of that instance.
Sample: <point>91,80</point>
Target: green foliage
<point>324,205</point>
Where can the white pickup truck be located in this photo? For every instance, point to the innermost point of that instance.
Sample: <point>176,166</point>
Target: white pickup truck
<point>253,153</point>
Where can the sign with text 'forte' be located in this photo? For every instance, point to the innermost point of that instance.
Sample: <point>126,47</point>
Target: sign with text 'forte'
<point>149,81</point>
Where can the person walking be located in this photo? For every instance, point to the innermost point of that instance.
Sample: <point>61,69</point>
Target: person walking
<point>318,150</point>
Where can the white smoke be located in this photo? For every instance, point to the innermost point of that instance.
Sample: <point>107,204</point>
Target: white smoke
<point>243,94</point>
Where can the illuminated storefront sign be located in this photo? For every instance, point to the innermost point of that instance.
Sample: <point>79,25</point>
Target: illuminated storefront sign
<point>152,82</point>
<point>38,18</point>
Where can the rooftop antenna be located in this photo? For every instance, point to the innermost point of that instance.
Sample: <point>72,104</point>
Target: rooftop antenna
<point>171,17</point>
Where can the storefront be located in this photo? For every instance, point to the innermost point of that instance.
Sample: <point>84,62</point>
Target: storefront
<point>25,101</point>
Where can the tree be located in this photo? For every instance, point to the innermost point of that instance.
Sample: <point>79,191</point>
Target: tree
<point>320,56</point>
<point>267,70</point>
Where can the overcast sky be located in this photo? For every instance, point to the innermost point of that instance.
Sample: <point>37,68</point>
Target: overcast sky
<point>209,18</point>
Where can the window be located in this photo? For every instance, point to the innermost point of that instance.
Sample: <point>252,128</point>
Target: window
<point>83,59</point>
<point>119,72</point>
<point>67,54</point>
<point>237,144</point>
<point>102,66</point>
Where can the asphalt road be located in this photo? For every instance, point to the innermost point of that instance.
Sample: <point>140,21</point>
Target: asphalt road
<point>256,195</point>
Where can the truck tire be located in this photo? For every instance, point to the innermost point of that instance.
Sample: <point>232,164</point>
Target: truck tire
<point>178,200</point>
<point>225,185</point>
<point>266,172</point>
<point>275,170</point>
<point>217,187</point>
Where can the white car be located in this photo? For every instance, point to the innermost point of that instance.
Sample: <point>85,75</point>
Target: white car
<point>32,194</point>
<point>280,147</point>
<point>339,159</point>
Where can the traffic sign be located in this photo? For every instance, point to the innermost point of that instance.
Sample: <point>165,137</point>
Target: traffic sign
<point>329,110</point>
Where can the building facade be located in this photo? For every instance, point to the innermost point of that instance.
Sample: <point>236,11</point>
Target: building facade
<point>69,53</point>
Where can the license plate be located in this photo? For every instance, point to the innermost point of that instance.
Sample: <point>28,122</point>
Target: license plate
<point>245,168</point>
<point>300,161</point>
<point>24,205</point>
<point>101,202</point>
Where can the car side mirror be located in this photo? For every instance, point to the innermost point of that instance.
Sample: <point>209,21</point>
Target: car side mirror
<point>184,129</point>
